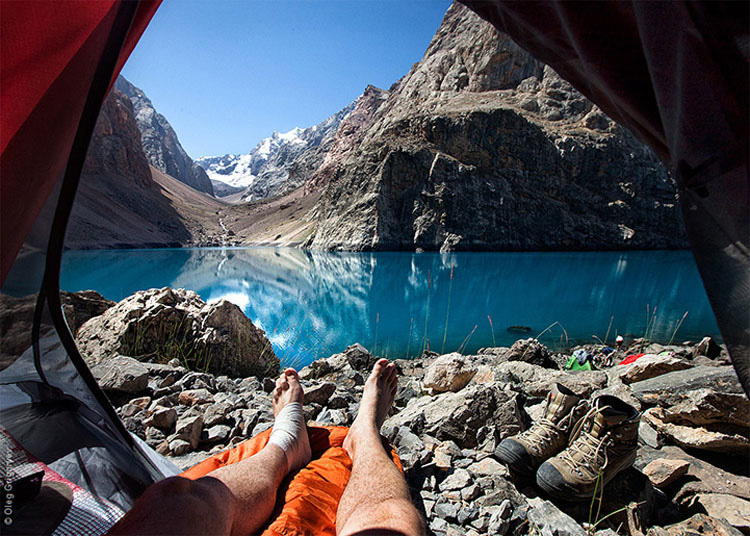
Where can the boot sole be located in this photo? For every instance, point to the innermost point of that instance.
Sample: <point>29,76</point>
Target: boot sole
<point>549,479</point>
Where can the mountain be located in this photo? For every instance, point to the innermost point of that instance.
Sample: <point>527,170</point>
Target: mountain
<point>480,146</point>
<point>279,163</point>
<point>124,202</point>
<point>160,143</point>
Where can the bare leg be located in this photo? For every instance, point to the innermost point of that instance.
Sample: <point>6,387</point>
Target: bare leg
<point>376,497</point>
<point>235,499</point>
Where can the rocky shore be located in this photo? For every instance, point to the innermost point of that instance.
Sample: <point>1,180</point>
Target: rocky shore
<point>690,475</point>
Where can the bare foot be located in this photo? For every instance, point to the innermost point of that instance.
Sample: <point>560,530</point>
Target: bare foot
<point>289,429</point>
<point>287,390</point>
<point>377,399</point>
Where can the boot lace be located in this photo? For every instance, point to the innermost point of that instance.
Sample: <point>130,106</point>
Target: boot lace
<point>545,431</point>
<point>586,449</point>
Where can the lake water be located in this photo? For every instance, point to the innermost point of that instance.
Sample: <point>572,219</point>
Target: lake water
<point>314,304</point>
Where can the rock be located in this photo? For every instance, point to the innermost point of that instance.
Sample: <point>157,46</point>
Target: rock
<point>129,410</point>
<point>670,389</point>
<point>445,453</point>
<point>545,518</point>
<point>261,427</point>
<point>79,307</point>
<point>648,436</point>
<point>448,511</point>
<point>360,358</point>
<point>458,479</point>
<point>470,493</point>
<point>216,434</point>
<point>162,418</point>
<point>708,348</point>
<point>536,381</point>
<point>142,401</point>
<point>702,476</point>
<point>216,413</point>
<point>191,397</point>
<point>154,436</point>
<point>438,524</point>
<point>459,416</point>
<point>500,520</point>
<point>618,389</point>
<point>649,366</point>
<point>488,466</point>
<point>734,510</point>
<point>319,394</point>
<point>188,428</point>
<point>160,322</point>
<point>269,384</point>
<point>697,525</point>
<point>405,439</point>
<point>729,439</point>
<point>338,368</point>
<point>530,351</point>
<point>335,417</point>
<point>121,374</point>
<point>178,447</point>
<point>450,372</point>
<point>663,472</point>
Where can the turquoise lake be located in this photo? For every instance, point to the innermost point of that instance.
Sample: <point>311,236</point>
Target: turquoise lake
<point>313,304</point>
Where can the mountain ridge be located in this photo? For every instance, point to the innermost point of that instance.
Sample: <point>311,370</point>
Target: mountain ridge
<point>278,163</point>
<point>160,142</point>
<point>480,146</point>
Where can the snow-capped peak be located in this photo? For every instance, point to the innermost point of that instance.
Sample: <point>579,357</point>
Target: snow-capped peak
<point>242,170</point>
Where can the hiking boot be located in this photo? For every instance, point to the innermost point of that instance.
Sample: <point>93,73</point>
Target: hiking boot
<point>549,435</point>
<point>603,443</point>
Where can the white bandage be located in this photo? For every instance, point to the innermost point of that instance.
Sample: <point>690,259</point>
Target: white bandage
<point>287,435</point>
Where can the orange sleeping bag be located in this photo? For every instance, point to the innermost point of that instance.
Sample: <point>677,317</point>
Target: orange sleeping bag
<point>307,502</point>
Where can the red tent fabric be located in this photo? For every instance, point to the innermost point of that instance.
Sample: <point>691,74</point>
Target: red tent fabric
<point>49,55</point>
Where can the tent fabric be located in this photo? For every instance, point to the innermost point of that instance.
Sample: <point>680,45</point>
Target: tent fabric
<point>308,502</point>
<point>58,61</point>
<point>676,74</point>
<point>49,55</point>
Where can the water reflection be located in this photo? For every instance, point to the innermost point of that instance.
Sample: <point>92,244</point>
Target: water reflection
<point>313,304</point>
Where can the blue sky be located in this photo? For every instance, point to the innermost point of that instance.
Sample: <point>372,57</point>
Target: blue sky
<point>228,73</point>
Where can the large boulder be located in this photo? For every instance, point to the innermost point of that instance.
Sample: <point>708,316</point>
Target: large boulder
<point>669,389</point>
<point>162,324</point>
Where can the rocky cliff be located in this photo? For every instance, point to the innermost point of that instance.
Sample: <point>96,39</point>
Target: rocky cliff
<point>480,146</point>
<point>118,204</point>
<point>122,201</point>
<point>160,143</point>
<point>279,163</point>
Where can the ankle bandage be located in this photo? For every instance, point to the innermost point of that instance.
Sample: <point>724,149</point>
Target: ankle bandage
<point>287,431</point>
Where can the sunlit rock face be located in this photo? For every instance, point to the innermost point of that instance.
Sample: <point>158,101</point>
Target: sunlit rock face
<point>480,146</point>
<point>118,203</point>
<point>160,143</point>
